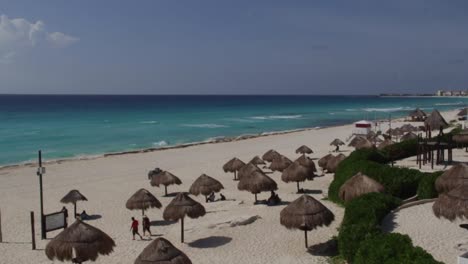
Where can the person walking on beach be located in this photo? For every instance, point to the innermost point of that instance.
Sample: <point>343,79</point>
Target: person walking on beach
<point>134,228</point>
<point>146,225</point>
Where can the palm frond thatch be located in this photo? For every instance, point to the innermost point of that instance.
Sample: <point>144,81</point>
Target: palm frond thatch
<point>233,165</point>
<point>72,197</point>
<point>435,120</point>
<point>280,163</point>
<point>461,137</point>
<point>322,162</point>
<point>270,155</point>
<point>247,169</point>
<point>304,150</point>
<point>364,144</point>
<point>452,205</point>
<point>337,142</point>
<point>417,114</point>
<point>205,185</point>
<point>408,136</point>
<point>356,140</point>
<point>452,178</point>
<point>161,251</point>
<point>257,182</point>
<point>182,205</point>
<point>86,241</point>
<point>165,178</point>
<point>385,143</point>
<point>358,185</point>
<point>463,112</point>
<point>307,162</point>
<point>257,161</point>
<point>142,200</point>
<point>332,164</point>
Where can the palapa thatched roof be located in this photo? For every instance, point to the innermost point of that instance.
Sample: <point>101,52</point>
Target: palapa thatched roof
<point>164,178</point>
<point>205,185</point>
<point>280,163</point>
<point>257,161</point>
<point>452,205</point>
<point>333,163</point>
<point>257,182</point>
<point>408,136</point>
<point>142,200</point>
<point>86,241</point>
<point>182,205</point>
<point>417,113</point>
<point>452,178</point>
<point>307,162</point>
<point>322,162</point>
<point>248,169</point>
<point>463,112</point>
<point>364,144</point>
<point>305,213</point>
<point>435,120</point>
<point>461,137</point>
<point>73,196</point>
<point>161,251</point>
<point>304,150</point>
<point>297,173</point>
<point>233,165</point>
<point>270,155</point>
<point>386,143</point>
<point>358,185</point>
<point>355,141</point>
<point>408,128</point>
<point>337,142</point>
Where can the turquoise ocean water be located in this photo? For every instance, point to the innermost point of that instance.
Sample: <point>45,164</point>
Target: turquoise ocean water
<point>73,126</point>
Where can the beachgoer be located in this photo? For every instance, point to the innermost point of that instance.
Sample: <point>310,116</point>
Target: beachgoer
<point>134,228</point>
<point>84,215</point>
<point>223,198</point>
<point>65,214</point>
<point>211,198</point>
<point>146,225</point>
<point>337,148</point>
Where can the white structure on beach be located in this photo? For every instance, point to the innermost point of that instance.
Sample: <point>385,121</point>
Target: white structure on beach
<point>362,127</point>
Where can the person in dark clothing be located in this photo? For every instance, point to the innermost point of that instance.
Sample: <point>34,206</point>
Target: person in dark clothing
<point>223,198</point>
<point>65,214</point>
<point>146,225</point>
<point>211,198</point>
<point>134,228</point>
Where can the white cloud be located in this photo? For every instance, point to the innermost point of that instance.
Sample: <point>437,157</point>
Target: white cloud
<point>18,35</point>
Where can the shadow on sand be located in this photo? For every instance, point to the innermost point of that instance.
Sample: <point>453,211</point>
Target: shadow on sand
<point>210,242</point>
<point>162,223</point>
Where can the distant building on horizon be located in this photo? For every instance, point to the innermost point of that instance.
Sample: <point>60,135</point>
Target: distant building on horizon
<point>452,93</point>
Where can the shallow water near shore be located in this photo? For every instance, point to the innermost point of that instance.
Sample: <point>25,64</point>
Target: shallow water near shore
<point>72,126</point>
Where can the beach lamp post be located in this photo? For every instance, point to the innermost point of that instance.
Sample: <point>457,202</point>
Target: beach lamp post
<point>41,171</point>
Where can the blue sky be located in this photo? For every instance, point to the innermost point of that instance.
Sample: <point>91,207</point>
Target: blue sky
<point>232,47</point>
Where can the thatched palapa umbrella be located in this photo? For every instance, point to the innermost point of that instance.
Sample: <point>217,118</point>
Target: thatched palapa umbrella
<point>453,204</point>
<point>180,207</point>
<point>142,200</point>
<point>364,144</point>
<point>358,185</point>
<point>408,128</point>
<point>86,241</point>
<point>337,143</point>
<point>463,112</point>
<point>233,165</point>
<point>205,185</point>
<point>304,150</point>
<point>306,214</point>
<point>165,178</point>
<point>461,137</point>
<point>333,163</point>
<point>307,162</point>
<point>452,178</point>
<point>161,251</point>
<point>257,182</point>
<point>270,155</point>
<point>257,161</point>
<point>322,162</point>
<point>435,121</point>
<point>417,115</point>
<point>280,163</point>
<point>297,173</point>
<point>247,169</point>
<point>356,140</point>
<point>386,143</point>
<point>408,136</point>
<point>73,197</point>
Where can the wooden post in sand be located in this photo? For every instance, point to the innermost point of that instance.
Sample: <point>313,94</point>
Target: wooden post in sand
<point>33,232</point>
<point>1,237</point>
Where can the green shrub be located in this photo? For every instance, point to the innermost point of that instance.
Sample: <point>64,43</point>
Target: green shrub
<point>391,248</point>
<point>362,221</point>
<point>426,187</point>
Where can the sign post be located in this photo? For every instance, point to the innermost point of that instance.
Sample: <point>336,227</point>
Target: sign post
<point>40,172</point>
<point>33,237</point>
<point>1,237</point>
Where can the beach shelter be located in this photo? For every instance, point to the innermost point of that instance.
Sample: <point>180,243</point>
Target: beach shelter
<point>142,200</point>
<point>333,163</point>
<point>205,185</point>
<point>462,137</point>
<point>297,173</point>
<point>408,136</point>
<point>417,115</point>
<point>165,178</point>
<point>247,169</point>
<point>358,185</point>
<point>270,155</point>
<point>79,242</point>
<point>161,251</point>
<point>385,143</point>
<point>322,162</point>
<point>435,121</point>
<point>256,182</point>
<point>362,127</point>
<point>304,150</point>
<point>463,112</point>
<point>180,207</point>
<point>356,140</point>
<point>280,163</point>
<point>337,143</point>
<point>408,128</point>
<point>306,214</point>
<point>364,144</point>
<point>452,178</point>
<point>257,161</point>
<point>452,205</point>
<point>233,165</point>
<point>73,197</point>
<point>307,162</point>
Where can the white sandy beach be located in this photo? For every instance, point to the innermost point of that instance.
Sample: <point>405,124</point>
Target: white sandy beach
<point>108,182</point>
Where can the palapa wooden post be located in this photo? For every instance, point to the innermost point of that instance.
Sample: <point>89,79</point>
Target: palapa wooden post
<point>306,242</point>
<point>33,237</point>
<point>182,229</point>
<point>1,237</point>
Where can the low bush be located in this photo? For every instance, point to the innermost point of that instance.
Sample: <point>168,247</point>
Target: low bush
<point>392,248</point>
<point>426,187</point>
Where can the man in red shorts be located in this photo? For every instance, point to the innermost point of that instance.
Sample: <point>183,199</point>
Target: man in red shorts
<point>134,228</point>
